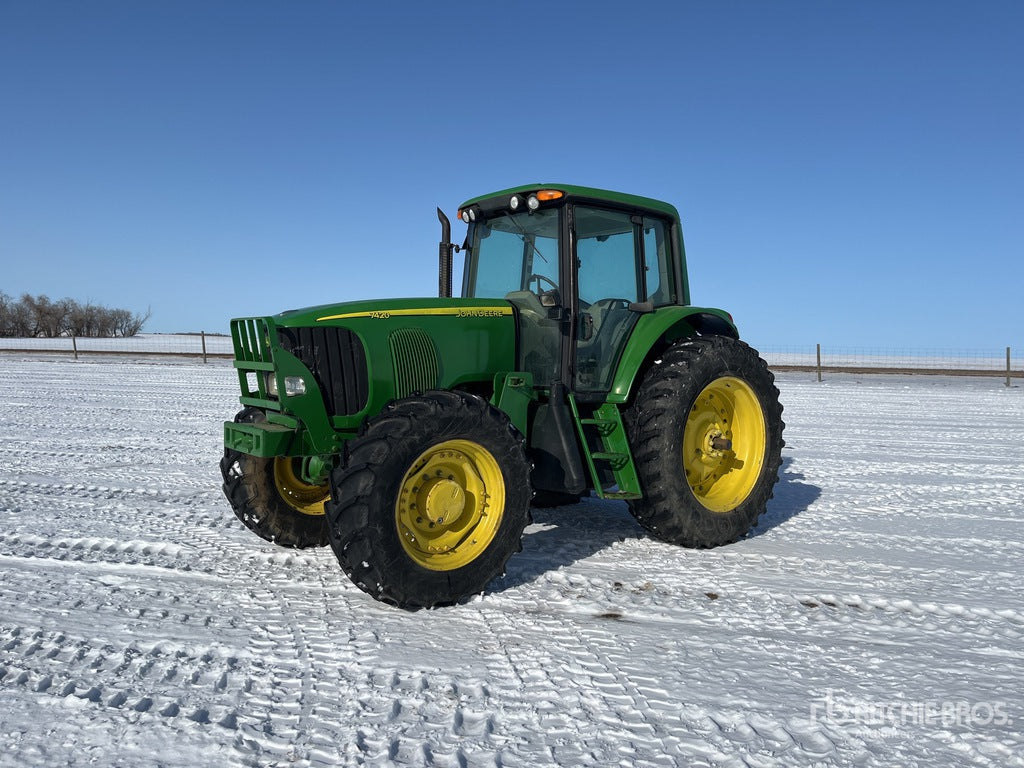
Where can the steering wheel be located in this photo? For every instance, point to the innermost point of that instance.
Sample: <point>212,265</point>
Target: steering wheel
<point>539,278</point>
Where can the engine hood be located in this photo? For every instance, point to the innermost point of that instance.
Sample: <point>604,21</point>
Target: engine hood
<point>407,345</point>
<point>395,309</point>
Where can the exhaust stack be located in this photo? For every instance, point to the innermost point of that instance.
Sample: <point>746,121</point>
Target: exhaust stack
<point>445,249</point>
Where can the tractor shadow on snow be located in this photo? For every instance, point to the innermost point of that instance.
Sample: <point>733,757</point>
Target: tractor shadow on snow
<point>792,497</point>
<point>560,536</point>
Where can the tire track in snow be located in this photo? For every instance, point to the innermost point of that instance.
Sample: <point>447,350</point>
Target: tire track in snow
<point>817,642</point>
<point>721,677</point>
<point>797,613</point>
<point>165,680</point>
<point>871,585</point>
<point>80,493</point>
<point>585,694</point>
<point>225,558</point>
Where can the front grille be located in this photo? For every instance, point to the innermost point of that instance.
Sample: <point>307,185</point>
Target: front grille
<point>337,360</point>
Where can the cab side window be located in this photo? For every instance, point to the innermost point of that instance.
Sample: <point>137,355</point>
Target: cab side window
<point>606,257</point>
<point>608,273</point>
<point>657,257</point>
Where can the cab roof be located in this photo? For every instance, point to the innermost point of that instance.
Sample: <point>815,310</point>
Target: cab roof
<point>582,194</point>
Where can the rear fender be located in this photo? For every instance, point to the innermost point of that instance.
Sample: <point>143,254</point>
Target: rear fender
<point>655,331</point>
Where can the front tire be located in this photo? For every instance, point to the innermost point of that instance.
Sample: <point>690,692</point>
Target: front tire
<point>706,434</point>
<point>431,501</point>
<point>270,499</point>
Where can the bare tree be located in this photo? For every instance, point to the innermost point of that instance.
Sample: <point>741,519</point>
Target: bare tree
<point>82,321</point>
<point>105,322</point>
<point>6,305</point>
<point>23,318</point>
<point>32,316</point>
<point>129,324</point>
<point>53,317</point>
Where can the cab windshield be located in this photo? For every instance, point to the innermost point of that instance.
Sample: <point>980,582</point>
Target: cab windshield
<point>515,257</point>
<point>514,253</point>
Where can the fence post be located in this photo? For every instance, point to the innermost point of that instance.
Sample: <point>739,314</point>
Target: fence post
<point>1007,366</point>
<point>819,362</point>
<point>74,345</point>
<point>202,334</point>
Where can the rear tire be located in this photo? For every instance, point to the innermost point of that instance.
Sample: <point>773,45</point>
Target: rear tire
<point>706,435</point>
<point>270,500</point>
<point>431,500</point>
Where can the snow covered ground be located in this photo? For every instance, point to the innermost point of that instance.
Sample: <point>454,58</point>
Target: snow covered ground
<point>876,618</point>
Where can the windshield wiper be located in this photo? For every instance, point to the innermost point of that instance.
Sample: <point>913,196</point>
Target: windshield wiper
<point>526,235</point>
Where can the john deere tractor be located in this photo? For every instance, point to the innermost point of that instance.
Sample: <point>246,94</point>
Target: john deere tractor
<point>413,435</point>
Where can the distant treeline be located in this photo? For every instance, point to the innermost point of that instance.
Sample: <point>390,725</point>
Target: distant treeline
<point>39,316</point>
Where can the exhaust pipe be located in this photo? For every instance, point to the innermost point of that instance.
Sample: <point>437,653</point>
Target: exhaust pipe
<point>445,249</point>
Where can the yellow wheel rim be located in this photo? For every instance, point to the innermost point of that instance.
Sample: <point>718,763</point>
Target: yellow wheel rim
<point>450,505</point>
<point>296,492</point>
<point>724,444</point>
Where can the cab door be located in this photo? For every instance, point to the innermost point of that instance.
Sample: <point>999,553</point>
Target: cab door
<point>614,286</point>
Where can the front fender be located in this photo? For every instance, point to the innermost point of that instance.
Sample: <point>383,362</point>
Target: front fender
<point>661,327</point>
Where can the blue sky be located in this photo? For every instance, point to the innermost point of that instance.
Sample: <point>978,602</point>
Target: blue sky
<point>850,173</point>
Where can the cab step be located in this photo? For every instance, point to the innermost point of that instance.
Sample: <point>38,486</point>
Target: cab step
<point>606,423</point>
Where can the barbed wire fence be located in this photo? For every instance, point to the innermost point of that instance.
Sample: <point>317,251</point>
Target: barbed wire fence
<point>819,359</point>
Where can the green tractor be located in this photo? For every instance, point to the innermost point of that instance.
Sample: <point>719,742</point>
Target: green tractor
<point>413,435</point>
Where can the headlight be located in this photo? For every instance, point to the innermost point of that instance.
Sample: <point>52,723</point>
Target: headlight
<point>293,385</point>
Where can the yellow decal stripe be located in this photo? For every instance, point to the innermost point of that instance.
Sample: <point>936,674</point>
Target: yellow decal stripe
<point>383,314</point>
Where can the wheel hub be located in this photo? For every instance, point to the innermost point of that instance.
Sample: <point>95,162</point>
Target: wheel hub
<point>724,443</point>
<point>450,505</point>
<point>719,443</point>
<point>300,495</point>
<point>445,501</point>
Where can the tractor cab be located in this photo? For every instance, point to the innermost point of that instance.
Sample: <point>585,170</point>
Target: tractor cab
<point>580,267</point>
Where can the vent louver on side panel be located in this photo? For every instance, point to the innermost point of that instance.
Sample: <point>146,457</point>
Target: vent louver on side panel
<point>415,360</point>
<point>337,360</point>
